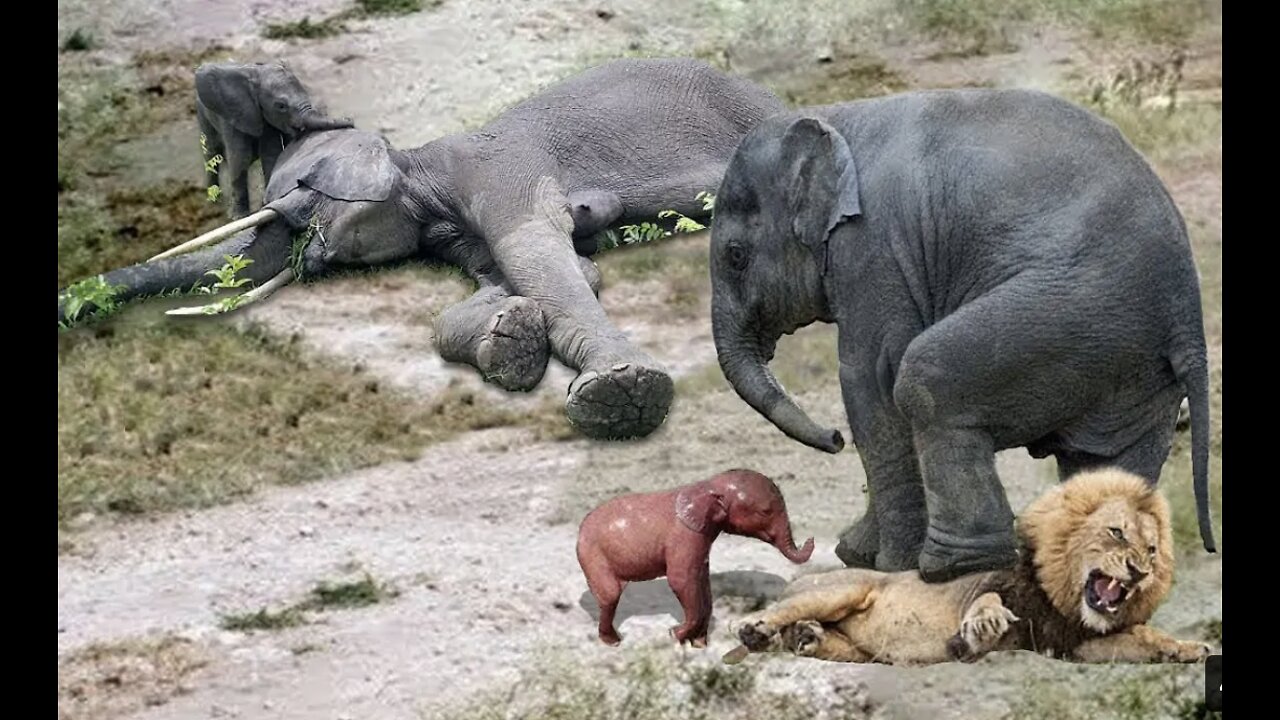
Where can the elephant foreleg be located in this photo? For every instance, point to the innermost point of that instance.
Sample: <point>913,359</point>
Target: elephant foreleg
<point>495,331</point>
<point>500,334</point>
<point>240,154</point>
<point>621,391</point>
<point>270,145</point>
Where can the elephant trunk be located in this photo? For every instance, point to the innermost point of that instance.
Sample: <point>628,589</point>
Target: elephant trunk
<point>267,246</point>
<point>782,540</point>
<point>309,119</point>
<point>742,358</point>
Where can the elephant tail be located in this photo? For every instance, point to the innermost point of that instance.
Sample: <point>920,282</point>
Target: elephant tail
<point>1192,371</point>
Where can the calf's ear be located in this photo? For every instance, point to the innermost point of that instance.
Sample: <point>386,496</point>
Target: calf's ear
<point>821,180</point>
<point>700,508</point>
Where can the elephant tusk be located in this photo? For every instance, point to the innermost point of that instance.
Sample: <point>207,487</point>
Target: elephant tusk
<point>285,277</point>
<point>262,216</point>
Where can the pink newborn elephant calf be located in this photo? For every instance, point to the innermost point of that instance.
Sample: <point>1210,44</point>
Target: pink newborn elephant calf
<point>649,535</point>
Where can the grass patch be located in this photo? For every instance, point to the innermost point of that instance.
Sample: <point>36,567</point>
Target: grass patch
<point>324,596</point>
<point>79,40</point>
<point>1119,692</point>
<point>120,227</point>
<point>305,29</point>
<point>683,256</point>
<point>155,416</point>
<point>333,25</point>
<point>263,619</point>
<point>104,220</point>
<point>396,7</point>
<point>841,80</point>
<point>119,679</point>
<point>648,685</point>
<point>978,27</point>
<point>352,594</point>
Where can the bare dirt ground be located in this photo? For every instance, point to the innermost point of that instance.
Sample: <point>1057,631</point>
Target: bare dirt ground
<point>476,536</point>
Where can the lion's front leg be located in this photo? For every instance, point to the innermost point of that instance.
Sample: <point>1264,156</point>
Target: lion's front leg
<point>1141,643</point>
<point>984,624</point>
<point>758,632</point>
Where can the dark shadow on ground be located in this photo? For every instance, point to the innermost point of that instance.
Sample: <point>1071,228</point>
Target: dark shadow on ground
<point>654,597</point>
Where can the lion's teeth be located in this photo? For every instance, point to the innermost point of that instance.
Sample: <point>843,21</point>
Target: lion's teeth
<point>1113,584</point>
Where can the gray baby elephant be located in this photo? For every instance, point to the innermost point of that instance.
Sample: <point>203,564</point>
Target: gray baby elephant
<point>248,112</point>
<point>1005,271</point>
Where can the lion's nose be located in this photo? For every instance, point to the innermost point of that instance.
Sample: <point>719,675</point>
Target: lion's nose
<point>1136,575</point>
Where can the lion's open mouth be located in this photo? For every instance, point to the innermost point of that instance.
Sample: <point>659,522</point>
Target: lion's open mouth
<point>1104,593</point>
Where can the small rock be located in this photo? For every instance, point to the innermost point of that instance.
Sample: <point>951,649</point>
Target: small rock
<point>306,531</point>
<point>322,504</point>
<point>824,56</point>
<point>605,14</point>
<point>561,605</point>
<point>268,705</point>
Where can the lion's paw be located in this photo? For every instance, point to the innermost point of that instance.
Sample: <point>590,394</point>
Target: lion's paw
<point>803,638</point>
<point>1188,652</point>
<point>984,627</point>
<point>756,635</point>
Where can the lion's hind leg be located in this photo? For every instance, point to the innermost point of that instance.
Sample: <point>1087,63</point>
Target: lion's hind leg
<point>809,638</point>
<point>758,632</point>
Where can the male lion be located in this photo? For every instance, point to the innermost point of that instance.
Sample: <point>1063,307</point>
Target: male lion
<point>1096,559</point>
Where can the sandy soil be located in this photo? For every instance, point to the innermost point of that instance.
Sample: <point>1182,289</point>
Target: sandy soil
<point>477,535</point>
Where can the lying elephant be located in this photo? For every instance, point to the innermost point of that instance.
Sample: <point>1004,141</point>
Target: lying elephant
<point>1005,271</point>
<point>615,144</point>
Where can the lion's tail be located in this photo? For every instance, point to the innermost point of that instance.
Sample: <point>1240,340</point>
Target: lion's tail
<point>1192,371</point>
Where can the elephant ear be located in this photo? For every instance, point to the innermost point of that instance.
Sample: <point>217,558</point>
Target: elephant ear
<point>822,182</point>
<point>700,508</point>
<point>230,91</point>
<point>350,165</point>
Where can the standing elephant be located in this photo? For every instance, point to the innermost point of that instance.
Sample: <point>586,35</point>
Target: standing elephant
<point>615,144</point>
<point>1005,271</point>
<point>246,112</point>
<point>643,536</point>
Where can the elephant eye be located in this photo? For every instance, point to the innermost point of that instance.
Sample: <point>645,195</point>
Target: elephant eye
<point>1116,533</point>
<point>737,256</point>
<point>281,105</point>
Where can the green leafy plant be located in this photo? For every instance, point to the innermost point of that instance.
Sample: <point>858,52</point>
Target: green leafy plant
<point>213,192</point>
<point>79,41</point>
<point>94,293</point>
<point>684,224</point>
<point>227,280</point>
<point>301,241</point>
<point>644,232</point>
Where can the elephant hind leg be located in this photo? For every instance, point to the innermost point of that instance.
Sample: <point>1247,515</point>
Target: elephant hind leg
<point>593,211</point>
<point>504,336</point>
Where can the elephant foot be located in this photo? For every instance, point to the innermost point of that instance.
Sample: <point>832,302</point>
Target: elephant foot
<point>860,543</point>
<point>513,352</point>
<point>946,557</point>
<point>628,400</point>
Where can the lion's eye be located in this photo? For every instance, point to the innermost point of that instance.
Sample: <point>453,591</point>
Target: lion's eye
<point>1151,549</point>
<point>1116,533</point>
